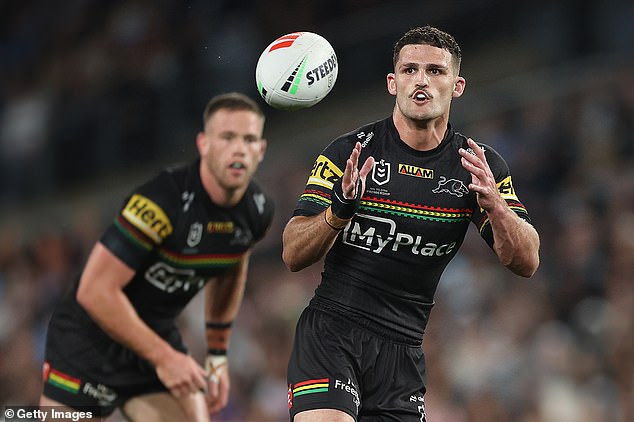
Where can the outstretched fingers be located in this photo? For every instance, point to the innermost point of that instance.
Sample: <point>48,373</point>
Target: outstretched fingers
<point>474,162</point>
<point>482,179</point>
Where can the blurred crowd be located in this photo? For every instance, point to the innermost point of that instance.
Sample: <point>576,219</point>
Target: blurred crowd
<point>122,89</point>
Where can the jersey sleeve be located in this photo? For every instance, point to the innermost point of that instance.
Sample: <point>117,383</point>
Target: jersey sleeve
<point>143,222</point>
<point>265,209</point>
<point>327,169</point>
<point>504,184</point>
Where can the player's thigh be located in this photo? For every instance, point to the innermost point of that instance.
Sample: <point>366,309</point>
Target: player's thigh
<point>46,403</point>
<point>323,415</point>
<point>164,407</point>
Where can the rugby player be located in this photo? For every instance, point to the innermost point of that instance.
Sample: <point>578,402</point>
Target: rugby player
<point>388,205</point>
<point>113,341</point>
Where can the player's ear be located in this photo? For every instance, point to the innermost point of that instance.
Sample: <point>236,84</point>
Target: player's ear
<point>263,150</point>
<point>458,87</point>
<point>391,84</point>
<point>201,143</point>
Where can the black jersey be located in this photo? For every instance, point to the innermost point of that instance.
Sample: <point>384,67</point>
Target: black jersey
<point>175,238</point>
<point>415,212</point>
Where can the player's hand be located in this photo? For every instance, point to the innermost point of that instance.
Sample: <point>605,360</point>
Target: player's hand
<point>217,368</point>
<point>352,174</point>
<point>181,374</point>
<point>482,179</point>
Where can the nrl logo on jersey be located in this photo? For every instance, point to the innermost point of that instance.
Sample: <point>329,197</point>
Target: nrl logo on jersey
<point>195,234</point>
<point>381,172</point>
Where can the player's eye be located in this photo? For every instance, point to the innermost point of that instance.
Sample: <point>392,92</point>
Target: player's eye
<point>435,71</point>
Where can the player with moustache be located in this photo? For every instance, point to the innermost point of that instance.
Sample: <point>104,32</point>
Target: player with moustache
<point>388,205</point>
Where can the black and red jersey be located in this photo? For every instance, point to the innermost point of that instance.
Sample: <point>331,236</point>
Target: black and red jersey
<point>387,262</point>
<point>176,238</point>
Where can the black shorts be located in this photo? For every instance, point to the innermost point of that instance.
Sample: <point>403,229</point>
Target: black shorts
<point>91,372</point>
<point>339,363</point>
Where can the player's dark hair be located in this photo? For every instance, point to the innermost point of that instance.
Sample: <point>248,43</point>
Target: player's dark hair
<point>231,101</point>
<point>428,35</point>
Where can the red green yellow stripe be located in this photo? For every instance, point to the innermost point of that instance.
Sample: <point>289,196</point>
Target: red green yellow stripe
<point>516,206</point>
<point>131,233</point>
<point>313,195</point>
<point>311,386</point>
<point>63,381</point>
<point>404,209</point>
<point>207,260</point>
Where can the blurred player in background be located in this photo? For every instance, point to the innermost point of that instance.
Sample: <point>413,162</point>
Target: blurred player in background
<point>387,231</point>
<point>113,341</point>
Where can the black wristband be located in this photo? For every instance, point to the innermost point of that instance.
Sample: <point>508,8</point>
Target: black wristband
<point>342,207</point>
<point>217,352</point>
<point>218,325</point>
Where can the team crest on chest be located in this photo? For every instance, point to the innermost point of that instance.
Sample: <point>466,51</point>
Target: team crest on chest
<point>453,187</point>
<point>195,234</point>
<point>381,172</point>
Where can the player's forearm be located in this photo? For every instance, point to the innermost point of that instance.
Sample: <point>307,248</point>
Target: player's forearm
<point>306,240</point>
<point>223,294</point>
<point>516,242</point>
<point>114,313</point>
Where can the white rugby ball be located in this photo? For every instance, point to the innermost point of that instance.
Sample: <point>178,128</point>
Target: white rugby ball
<point>296,71</point>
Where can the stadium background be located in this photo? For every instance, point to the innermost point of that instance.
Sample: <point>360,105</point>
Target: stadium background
<point>96,96</point>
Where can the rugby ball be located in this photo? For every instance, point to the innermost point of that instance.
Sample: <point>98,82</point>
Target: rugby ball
<point>296,71</point>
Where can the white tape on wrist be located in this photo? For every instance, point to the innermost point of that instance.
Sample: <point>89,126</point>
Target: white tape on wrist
<point>214,365</point>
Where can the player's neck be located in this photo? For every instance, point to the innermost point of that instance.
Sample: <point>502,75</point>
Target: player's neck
<point>421,135</point>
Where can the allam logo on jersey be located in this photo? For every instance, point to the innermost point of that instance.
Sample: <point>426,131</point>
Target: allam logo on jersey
<point>415,171</point>
<point>220,227</point>
<point>381,172</point>
<point>376,234</point>
<point>147,216</point>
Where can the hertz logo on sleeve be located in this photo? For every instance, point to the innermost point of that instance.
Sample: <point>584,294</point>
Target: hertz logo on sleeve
<point>147,216</point>
<point>506,189</point>
<point>324,173</point>
<point>415,171</point>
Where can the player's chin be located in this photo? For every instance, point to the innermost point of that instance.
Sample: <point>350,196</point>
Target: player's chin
<point>237,177</point>
<point>236,182</point>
